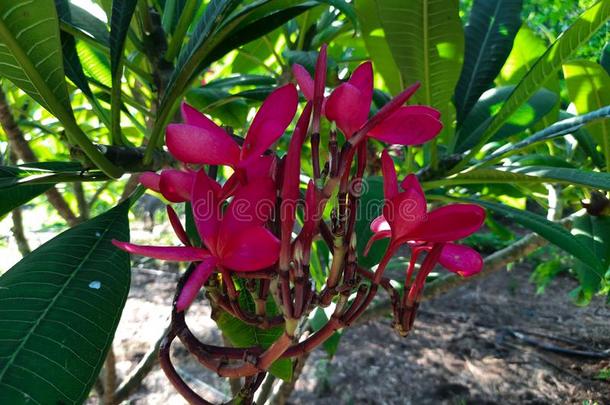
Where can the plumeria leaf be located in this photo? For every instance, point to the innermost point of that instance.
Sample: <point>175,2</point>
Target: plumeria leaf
<point>61,306</point>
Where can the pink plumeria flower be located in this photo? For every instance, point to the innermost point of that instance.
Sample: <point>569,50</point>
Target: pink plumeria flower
<point>235,239</point>
<point>350,103</point>
<point>200,141</point>
<point>406,220</point>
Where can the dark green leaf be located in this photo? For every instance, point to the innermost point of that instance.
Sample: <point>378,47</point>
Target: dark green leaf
<point>490,102</point>
<point>489,35</point>
<point>219,104</point>
<point>317,321</point>
<point>87,23</point>
<point>60,308</point>
<point>604,60</point>
<point>371,204</point>
<point>122,11</point>
<point>549,63</point>
<point>551,231</point>
<point>227,83</point>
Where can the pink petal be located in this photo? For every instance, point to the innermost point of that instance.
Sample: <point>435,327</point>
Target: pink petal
<point>376,236</point>
<point>304,80</point>
<point>191,116</point>
<point>292,174</point>
<point>171,253</point>
<point>379,224</point>
<point>197,278</point>
<point>404,213</point>
<point>177,225</point>
<point>450,223</point>
<point>423,109</point>
<point>319,86</point>
<point>389,108</point>
<point>206,211</point>
<point>404,127</point>
<point>251,206</point>
<point>202,145</point>
<point>271,121</point>
<point>460,259</point>
<point>362,79</point>
<point>411,183</point>
<point>176,185</point>
<point>348,107</point>
<point>261,167</point>
<point>390,182</point>
<point>150,180</point>
<point>251,249</point>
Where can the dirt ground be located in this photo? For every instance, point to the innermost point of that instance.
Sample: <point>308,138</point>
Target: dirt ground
<point>463,349</point>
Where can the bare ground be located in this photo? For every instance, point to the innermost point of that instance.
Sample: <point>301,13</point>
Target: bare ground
<point>463,349</point>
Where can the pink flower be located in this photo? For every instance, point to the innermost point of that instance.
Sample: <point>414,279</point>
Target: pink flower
<point>350,103</point>
<point>201,141</point>
<point>235,239</point>
<point>405,220</point>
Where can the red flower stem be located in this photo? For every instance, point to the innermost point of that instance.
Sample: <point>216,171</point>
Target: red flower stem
<point>356,303</point>
<point>326,234</point>
<point>315,155</point>
<point>333,150</point>
<point>171,373</point>
<point>286,302</point>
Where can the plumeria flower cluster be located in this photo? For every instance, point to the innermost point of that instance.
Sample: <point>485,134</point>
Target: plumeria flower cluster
<point>249,241</point>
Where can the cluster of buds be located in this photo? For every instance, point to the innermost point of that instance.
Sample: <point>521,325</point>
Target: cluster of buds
<point>250,242</point>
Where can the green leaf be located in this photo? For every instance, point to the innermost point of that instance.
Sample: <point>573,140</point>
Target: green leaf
<point>427,40</point>
<point>589,89</point>
<point>369,208</point>
<point>544,68</point>
<point>560,128</point>
<point>527,48</point>
<point>241,334</point>
<point>540,103</point>
<point>17,195</point>
<point>227,109</point>
<point>81,20</point>
<point>227,83</point>
<point>60,308</point>
<point>551,231</point>
<point>528,174</point>
<point>31,52</point>
<point>347,9</point>
<point>490,32</point>
<point>604,60</point>
<point>122,11</point>
<point>317,320</point>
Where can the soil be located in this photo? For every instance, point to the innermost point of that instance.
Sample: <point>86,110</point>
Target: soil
<point>463,349</point>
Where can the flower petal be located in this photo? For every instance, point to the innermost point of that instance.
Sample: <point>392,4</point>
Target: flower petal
<point>380,224</point>
<point>271,121</point>
<point>423,109</point>
<point>376,236</point>
<point>251,249</point>
<point>348,107</point>
<point>460,259</point>
<point>171,253</point>
<point>362,79</point>
<point>404,213</point>
<point>304,80</point>
<point>202,145</point>
<point>450,223</point>
<point>404,127</point>
<point>177,225</point>
<point>176,185</point>
<point>411,183</point>
<point>191,116</point>
<point>197,278</point>
<point>251,206</point>
<point>150,180</point>
<point>390,182</point>
<point>206,210</point>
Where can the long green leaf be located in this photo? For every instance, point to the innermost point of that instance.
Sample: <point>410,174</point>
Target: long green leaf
<point>528,174</point>
<point>589,89</point>
<point>523,118</point>
<point>490,32</point>
<point>604,60</point>
<point>370,207</point>
<point>560,128</point>
<point>578,33</point>
<point>551,231</point>
<point>427,40</point>
<point>81,20</point>
<point>59,309</point>
<point>377,45</point>
<point>122,12</point>
<point>30,51</point>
